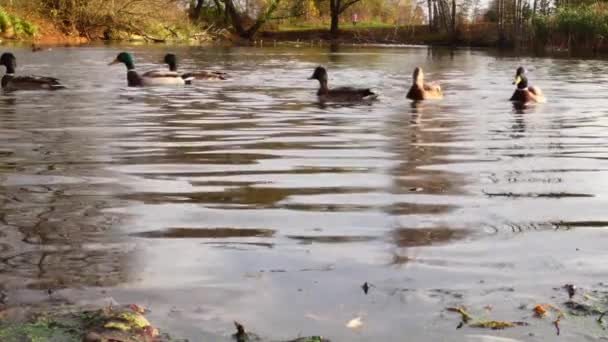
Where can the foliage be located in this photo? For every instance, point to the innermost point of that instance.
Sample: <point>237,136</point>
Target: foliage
<point>579,25</point>
<point>14,26</point>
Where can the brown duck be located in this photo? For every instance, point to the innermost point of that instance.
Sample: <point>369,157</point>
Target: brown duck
<point>423,91</point>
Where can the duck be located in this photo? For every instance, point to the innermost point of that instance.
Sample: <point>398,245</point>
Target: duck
<point>38,48</point>
<point>11,82</point>
<point>150,78</point>
<point>171,60</point>
<point>339,94</point>
<point>423,91</point>
<point>524,93</point>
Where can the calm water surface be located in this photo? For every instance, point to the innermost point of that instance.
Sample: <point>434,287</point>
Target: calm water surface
<point>247,200</point>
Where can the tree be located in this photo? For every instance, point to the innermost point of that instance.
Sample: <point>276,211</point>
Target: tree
<point>238,22</point>
<point>337,7</point>
<point>430,9</point>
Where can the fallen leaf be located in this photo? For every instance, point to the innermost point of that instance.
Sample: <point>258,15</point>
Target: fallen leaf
<point>466,317</point>
<point>354,323</point>
<point>496,325</point>
<point>540,311</point>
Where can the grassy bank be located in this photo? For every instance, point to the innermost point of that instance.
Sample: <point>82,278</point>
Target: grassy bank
<point>81,20</point>
<point>371,33</point>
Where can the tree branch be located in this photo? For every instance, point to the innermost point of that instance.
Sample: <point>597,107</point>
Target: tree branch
<point>347,5</point>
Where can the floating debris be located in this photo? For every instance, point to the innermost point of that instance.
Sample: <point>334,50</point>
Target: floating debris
<point>556,323</point>
<point>497,325</point>
<point>571,290</point>
<point>540,311</point>
<point>365,287</point>
<point>490,324</point>
<point>354,323</point>
<point>466,317</point>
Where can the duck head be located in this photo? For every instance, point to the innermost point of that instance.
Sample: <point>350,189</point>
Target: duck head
<point>320,74</point>
<point>9,61</point>
<point>171,60</point>
<point>521,81</point>
<point>126,59</point>
<point>418,76</point>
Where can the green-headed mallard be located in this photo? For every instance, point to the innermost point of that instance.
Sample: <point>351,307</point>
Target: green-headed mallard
<point>339,94</point>
<point>423,91</point>
<point>12,82</point>
<point>171,60</point>
<point>524,92</point>
<point>150,78</point>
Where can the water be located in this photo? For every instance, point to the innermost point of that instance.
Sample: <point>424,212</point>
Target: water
<point>247,200</point>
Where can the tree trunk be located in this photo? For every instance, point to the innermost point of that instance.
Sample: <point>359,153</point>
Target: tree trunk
<point>196,12</point>
<point>334,8</point>
<point>431,15</point>
<point>335,30</point>
<point>453,21</point>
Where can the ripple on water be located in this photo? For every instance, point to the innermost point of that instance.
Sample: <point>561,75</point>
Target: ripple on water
<point>220,182</point>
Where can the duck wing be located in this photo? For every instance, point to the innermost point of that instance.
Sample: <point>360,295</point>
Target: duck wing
<point>352,92</point>
<point>33,83</point>
<point>432,87</point>
<point>161,74</point>
<point>209,75</point>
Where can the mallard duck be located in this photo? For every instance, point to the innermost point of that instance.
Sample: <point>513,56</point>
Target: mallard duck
<point>423,91</point>
<point>339,94</point>
<point>171,60</point>
<point>150,78</point>
<point>12,82</point>
<point>524,92</point>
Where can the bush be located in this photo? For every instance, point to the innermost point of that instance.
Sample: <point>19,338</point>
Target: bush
<point>13,25</point>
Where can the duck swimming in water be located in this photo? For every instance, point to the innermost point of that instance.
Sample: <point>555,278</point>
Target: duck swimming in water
<point>150,78</point>
<point>339,94</point>
<point>171,60</point>
<point>12,82</point>
<point>423,91</point>
<point>524,92</point>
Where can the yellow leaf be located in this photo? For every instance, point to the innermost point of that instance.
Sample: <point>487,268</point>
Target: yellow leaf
<point>117,325</point>
<point>135,320</point>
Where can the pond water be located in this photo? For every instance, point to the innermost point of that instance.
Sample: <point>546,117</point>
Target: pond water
<point>247,200</point>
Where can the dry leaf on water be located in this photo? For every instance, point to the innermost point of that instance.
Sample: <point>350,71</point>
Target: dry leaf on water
<point>354,323</point>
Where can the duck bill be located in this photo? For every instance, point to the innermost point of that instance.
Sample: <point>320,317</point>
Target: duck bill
<point>517,80</point>
<point>116,61</point>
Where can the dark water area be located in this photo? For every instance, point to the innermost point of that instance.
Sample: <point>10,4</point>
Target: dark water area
<point>247,200</point>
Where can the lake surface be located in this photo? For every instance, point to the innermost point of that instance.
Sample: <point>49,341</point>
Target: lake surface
<point>247,200</point>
